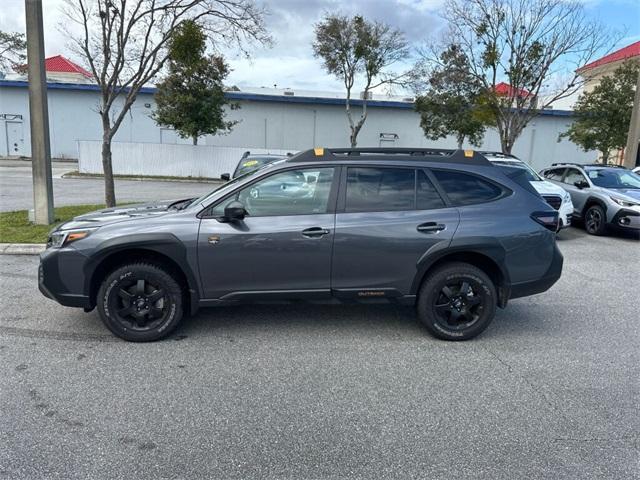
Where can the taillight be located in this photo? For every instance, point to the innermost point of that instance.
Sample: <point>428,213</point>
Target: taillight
<point>549,220</point>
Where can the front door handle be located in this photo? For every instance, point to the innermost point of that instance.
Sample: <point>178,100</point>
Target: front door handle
<point>430,227</point>
<point>315,232</point>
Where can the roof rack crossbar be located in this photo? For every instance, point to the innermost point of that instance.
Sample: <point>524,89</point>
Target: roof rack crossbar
<point>470,157</point>
<point>497,154</point>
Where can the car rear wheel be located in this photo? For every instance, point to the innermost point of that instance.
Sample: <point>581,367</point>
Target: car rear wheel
<point>140,302</point>
<point>457,302</point>
<point>595,220</point>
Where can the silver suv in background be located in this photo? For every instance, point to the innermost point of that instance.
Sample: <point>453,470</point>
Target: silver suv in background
<point>602,195</point>
<point>554,195</point>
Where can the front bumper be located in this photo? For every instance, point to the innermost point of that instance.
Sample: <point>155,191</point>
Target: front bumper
<point>543,283</point>
<point>627,218</point>
<point>61,278</point>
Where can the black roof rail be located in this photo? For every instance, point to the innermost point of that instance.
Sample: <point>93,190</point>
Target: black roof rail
<point>559,164</point>
<point>470,157</point>
<point>497,154</point>
<point>604,165</point>
<point>608,165</point>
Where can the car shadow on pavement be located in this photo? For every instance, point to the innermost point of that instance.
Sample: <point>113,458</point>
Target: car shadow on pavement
<point>347,321</point>
<point>577,232</point>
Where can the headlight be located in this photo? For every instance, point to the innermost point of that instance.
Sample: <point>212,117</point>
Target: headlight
<point>65,237</point>
<point>624,203</point>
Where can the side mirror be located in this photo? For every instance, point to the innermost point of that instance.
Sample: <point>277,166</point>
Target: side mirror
<point>581,184</point>
<point>234,211</point>
<point>311,179</point>
<point>225,177</point>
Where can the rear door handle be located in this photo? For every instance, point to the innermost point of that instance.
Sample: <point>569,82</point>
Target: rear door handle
<point>315,232</point>
<point>430,227</point>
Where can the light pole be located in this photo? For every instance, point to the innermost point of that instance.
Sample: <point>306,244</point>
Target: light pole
<point>39,113</point>
<point>631,151</point>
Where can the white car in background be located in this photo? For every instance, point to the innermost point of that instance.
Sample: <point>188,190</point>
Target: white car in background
<point>554,195</point>
<point>636,170</point>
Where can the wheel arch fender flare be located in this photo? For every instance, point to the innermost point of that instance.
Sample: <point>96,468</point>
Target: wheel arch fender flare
<point>590,201</point>
<point>486,253</point>
<point>164,245</point>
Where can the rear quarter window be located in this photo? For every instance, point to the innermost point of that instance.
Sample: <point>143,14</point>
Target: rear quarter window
<point>466,189</point>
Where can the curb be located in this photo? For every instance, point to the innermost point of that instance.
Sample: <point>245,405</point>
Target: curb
<point>21,248</point>
<point>143,179</point>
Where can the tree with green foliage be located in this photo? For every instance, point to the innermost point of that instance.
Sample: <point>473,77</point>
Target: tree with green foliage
<point>12,50</point>
<point>190,99</point>
<point>603,114</point>
<point>125,45</point>
<point>353,47</point>
<point>535,47</point>
<point>453,103</point>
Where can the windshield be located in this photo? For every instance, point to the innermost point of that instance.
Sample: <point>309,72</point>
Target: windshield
<point>508,167</point>
<point>250,164</point>
<point>616,178</point>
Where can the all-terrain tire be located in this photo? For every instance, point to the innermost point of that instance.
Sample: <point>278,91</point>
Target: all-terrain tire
<point>140,302</point>
<point>457,301</point>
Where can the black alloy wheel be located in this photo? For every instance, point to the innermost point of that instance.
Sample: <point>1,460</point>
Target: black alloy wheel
<point>595,220</point>
<point>140,305</point>
<point>459,304</point>
<point>457,301</point>
<point>140,302</point>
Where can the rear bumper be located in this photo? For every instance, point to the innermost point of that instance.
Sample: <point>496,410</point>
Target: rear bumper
<point>54,284</point>
<point>542,284</point>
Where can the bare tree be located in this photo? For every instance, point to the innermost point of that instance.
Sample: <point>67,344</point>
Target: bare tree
<point>12,50</point>
<point>353,47</point>
<point>535,46</point>
<point>124,43</point>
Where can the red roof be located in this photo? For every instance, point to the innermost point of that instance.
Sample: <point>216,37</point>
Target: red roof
<point>62,64</point>
<point>629,51</point>
<point>506,89</point>
<point>59,64</point>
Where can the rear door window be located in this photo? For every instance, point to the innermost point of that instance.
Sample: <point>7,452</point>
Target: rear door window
<point>465,189</point>
<point>427,197</point>
<point>372,189</point>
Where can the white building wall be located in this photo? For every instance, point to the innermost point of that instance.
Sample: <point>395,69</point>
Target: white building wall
<point>172,160</point>
<point>269,125</point>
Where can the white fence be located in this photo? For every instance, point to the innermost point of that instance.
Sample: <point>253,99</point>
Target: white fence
<point>163,159</point>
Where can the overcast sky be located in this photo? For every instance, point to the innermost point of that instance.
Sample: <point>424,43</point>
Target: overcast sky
<point>290,63</point>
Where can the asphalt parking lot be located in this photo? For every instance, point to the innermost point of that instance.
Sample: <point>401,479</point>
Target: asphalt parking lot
<point>551,390</point>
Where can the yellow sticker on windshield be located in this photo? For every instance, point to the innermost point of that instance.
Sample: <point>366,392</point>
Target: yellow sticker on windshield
<point>250,163</point>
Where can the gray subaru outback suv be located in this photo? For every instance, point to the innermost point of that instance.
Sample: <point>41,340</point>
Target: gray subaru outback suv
<point>602,195</point>
<point>443,230</point>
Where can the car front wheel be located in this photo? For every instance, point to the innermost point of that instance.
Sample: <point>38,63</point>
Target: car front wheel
<point>457,302</point>
<point>140,302</point>
<point>595,220</point>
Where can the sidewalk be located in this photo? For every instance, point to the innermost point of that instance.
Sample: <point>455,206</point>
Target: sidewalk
<point>21,248</point>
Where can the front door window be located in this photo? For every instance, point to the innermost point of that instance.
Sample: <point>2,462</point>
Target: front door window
<point>292,192</point>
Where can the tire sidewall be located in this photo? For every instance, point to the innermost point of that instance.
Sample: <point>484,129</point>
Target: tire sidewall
<point>431,288</point>
<point>109,289</point>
